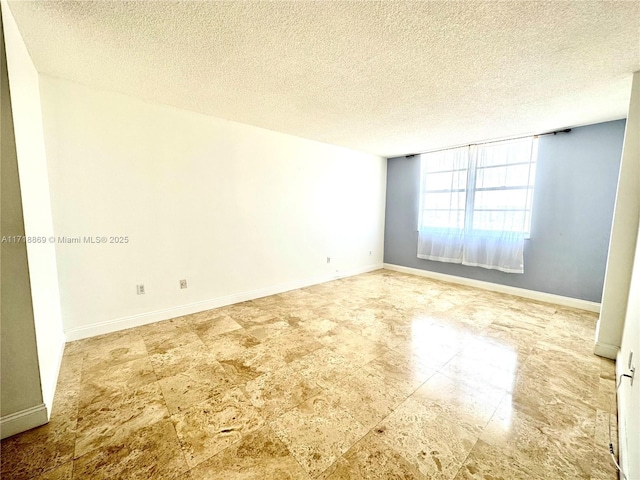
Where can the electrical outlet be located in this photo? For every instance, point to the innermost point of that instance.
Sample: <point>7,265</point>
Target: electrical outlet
<point>183,284</point>
<point>328,259</point>
<point>369,252</point>
<point>140,289</point>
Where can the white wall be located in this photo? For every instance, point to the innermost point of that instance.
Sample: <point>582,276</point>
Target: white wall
<point>628,395</point>
<point>21,405</point>
<point>623,235</point>
<point>36,204</point>
<point>236,210</point>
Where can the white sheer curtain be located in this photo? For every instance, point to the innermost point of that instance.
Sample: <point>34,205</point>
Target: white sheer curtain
<point>443,191</point>
<point>481,217</point>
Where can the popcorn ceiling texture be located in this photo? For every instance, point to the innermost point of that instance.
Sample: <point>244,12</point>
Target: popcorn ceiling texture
<point>388,78</point>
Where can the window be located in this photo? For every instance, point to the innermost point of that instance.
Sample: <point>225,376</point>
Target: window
<point>475,193</point>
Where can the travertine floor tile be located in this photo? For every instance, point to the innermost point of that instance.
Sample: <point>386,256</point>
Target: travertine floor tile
<point>371,459</point>
<point>319,327</point>
<point>428,441</point>
<point>210,328</point>
<point>257,456</point>
<point>381,333</point>
<point>298,298</point>
<point>152,452</point>
<point>380,375</point>
<point>70,373</point>
<point>537,446</point>
<point>533,309</point>
<point>520,340</point>
<point>554,369</point>
<point>252,363</point>
<point>433,342</point>
<point>317,432</point>
<point>183,390</point>
<point>403,369</point>
<point>493,352</point>
<point>488,463</point>
<point>459,403</point>
<point>189,375</point>
<point>163,336</point>
<point>520,323</point>
<point>76,347</point>
<point>63,472</point>
<point>323,367</point>
<point>269,329</point>
<point>292,345</point>
<point>475,315</point>
<point>184,358</point>
<point>113,418</point>
<point>358,349</point>
<point>607,399</point>
<point>36,451</point>
<point>185,476</point>
<point>209,427</point>
<point>97,385</point>
<point>276,392</point>
<point>368,397</point>
<point>250,313</point>
<point>106,351</point>
<point>337,312</point>
<point>607,368</point>
<point>479,374</point>
<point>231,345</point>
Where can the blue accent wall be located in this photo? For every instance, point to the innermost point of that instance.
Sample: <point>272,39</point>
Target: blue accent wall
<point>576,180</point>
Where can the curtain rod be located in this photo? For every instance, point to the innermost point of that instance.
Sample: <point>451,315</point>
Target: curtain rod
<point>566,130</point>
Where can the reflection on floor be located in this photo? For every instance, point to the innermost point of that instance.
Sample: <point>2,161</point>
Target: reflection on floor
<point>382,375</point>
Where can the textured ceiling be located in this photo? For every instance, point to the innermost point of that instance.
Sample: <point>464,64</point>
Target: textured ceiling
<point>388,78</point>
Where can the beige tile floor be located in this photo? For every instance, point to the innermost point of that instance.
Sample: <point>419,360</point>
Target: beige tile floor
<point>382,375</point>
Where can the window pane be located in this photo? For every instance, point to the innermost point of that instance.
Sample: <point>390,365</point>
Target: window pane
<point>455,180</point>
<point>501,199</point>
<point>443,219</point>
<point>514,175</point>
<point>500,153</point>
<point>444,172</point>
<point>441,201</point>
<point>452,159</point>
<point>502,166</point>
<point>499,220</point>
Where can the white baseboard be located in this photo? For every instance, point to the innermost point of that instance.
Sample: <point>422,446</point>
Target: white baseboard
<point>623,415</point>
<point>165,314</point>
<point>605,350</point>
<point>23,420</point>
<point>496,287</point>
